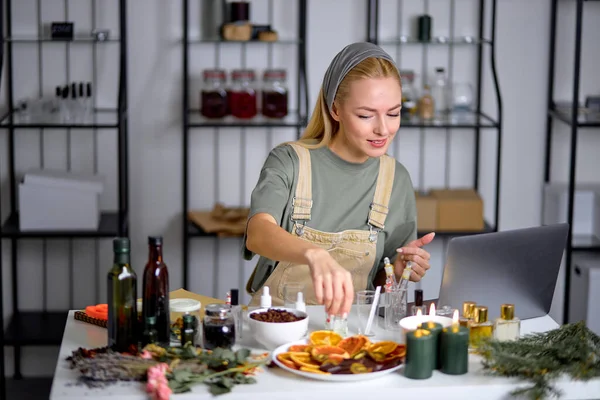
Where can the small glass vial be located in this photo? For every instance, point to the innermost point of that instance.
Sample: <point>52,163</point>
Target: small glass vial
<point>150,334</point>
<point>480,328</point>
<point>242,94</point>
<point>468,312</point>
<point>274,94</point>
<point>218,327</point>
<point>338,324</point>
<point>507,327</point>
<point>188,331</point>
<point>426,105</point>
<point>419,303</point>
<point>213,97</point>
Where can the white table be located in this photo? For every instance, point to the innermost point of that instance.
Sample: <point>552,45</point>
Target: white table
<point>275,383</point>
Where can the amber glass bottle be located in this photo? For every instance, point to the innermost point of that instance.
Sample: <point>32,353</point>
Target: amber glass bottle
<point>156,290</point>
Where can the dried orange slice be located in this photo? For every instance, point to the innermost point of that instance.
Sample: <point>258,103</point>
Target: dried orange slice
<point>285,359</point>
<point>300,348</point>
<point>314,370</point>
<point>354,344</point>
<point>304,360</point>
<point>318,338</point>
<point>358,368</point>
<point>399,352</point>
<point>379,351</point>
<point>323,352</point>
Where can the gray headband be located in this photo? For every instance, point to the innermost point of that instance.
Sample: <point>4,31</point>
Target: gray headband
<point>344,61</point>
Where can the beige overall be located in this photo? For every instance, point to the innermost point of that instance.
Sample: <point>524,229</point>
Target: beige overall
<point>355,250</point>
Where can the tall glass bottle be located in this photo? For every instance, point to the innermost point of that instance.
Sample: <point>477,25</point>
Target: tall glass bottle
<point>122,300</point>
<point>156,290</point>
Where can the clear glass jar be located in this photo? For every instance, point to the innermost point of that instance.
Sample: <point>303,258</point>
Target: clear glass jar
<point>409,94</point>
<point>180,307</point>
<point>218,327</point>
<point>213,97</point>
<point>274,94</point>
<point>242,94</point>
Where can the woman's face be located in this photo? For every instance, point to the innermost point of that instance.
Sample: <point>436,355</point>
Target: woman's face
<point>369,119</point>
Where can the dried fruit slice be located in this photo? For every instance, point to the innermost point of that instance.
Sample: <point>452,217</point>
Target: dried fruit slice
<point>318,338</point>
<point>304,360</point>
<point>358,368</point>
<point>398,352</point>
<point>300,348</point>
<point>322,353</point>
<point>314,371</point>
<point>354,344</point>
<point>285,359</point>
<point>379,351</point>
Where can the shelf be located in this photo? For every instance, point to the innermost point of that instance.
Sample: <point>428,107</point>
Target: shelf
<point>109,227</point>
<point>196,120</point>
<point>101,119</point>
<point>36,328</point>
<point>196,231</point>
<point>75,40</point>
<point>466,119</point>
<point>583,121</point>
<point>222,41</point>
<point>586,243</point>
<point>434,42</point>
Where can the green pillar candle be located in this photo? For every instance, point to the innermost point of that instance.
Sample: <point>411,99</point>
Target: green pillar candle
<point>420,350</point>
<point>435,330</point>
<point>454,350</point>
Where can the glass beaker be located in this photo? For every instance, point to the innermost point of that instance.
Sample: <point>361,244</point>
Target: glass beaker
<point>395,308</point>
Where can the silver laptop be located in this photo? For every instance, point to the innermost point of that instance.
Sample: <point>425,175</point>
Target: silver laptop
<point>516,266</point>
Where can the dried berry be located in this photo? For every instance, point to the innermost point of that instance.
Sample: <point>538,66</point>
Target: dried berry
<point>275,315</point>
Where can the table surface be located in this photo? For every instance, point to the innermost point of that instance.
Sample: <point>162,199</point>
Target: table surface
<point>275,383</point>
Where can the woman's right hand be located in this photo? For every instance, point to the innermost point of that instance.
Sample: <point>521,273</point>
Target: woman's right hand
<point>332,283</point>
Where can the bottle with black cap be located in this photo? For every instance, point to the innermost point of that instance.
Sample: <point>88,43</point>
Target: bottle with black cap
<point>236,311</point>
<point>156,290</point>
<point>418,303</point>
<point>122,300</point>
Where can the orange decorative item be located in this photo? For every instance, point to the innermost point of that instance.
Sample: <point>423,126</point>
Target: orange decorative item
<point>99,311</point>
<point>354,344</point>
<point>322,353</point>
<point>318,338</point>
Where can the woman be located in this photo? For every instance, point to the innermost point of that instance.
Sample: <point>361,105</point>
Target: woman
<point>327,209</point>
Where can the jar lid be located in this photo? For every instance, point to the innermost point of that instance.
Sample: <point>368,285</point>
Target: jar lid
<point>274,74</point>
<point>217,310</point>
<point>214,74</point>
<point>243,74</point>
<point>184,305</point>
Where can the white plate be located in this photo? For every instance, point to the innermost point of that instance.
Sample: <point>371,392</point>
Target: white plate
<point>329,377</point>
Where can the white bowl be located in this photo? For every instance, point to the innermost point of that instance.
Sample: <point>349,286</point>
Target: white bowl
<point>274,334</point>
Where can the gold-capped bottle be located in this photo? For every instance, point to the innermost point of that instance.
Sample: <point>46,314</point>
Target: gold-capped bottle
<point>468,312</point>
<point>507,327</point>
<point>480,327</point>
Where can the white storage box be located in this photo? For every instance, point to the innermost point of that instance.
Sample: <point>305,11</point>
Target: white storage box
<point>586,218</point>
<point>584,303</point>
<point>58,200</point>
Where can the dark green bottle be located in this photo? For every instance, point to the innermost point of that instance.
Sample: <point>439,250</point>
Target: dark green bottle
<point>150,335</point>
<point>122,300</point>
<point>188,332</point>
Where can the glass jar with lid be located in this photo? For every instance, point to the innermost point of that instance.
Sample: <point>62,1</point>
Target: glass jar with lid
<point>409,94</point>
<point>218,327</point>
<point>242,94</point>
<point>274,94</point>
<point>213,97</point>
<point>180,307</point>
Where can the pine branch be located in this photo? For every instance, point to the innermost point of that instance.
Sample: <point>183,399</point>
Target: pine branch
<point>541,358</point>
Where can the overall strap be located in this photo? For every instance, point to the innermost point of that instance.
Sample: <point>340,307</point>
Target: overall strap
<point>302,201</point>
<point>383,191</point>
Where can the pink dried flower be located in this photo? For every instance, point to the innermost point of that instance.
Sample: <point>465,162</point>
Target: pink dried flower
<point>163,392</point>
<point>146,354</point>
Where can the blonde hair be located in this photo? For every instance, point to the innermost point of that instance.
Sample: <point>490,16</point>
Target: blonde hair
<point>322,127</point>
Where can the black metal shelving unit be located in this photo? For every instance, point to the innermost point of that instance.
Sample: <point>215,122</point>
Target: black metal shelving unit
<point>43,327</point>
<point>194,121</point>
<point>476,119</point>
<point>571,118</point>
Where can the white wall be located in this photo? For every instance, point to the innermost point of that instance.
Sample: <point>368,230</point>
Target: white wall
<point>155,131</point>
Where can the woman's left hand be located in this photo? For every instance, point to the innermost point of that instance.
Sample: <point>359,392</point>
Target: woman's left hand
<point>413,252</point>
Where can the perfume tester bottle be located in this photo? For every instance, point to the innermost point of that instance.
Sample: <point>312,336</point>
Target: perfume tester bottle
<point>507,327</point>
<point>468,312</point>
<point>480,328</point>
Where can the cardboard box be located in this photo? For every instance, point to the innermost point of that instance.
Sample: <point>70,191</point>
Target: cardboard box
<point>458,210</point>
<point>427,213</point>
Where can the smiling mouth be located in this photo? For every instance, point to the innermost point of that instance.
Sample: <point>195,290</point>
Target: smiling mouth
<point>378,142</point>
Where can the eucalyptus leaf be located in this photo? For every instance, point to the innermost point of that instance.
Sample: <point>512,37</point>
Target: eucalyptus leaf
<point>241,355</point>
<point>179,387</point>
<point>182,375</point>
<point>217,389</point>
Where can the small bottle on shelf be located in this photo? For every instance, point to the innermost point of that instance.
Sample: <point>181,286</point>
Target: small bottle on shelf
<point>213,97</point>
<point>274,94</point>
<point>507,327</point>
<point>480,328</point>
<point>426,105</point>
<point>242,94</point>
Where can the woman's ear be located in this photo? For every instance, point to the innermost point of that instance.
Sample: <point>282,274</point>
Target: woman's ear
<point>334,112</point>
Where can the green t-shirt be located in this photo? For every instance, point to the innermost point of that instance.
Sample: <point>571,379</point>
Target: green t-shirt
<point>342,192</point>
